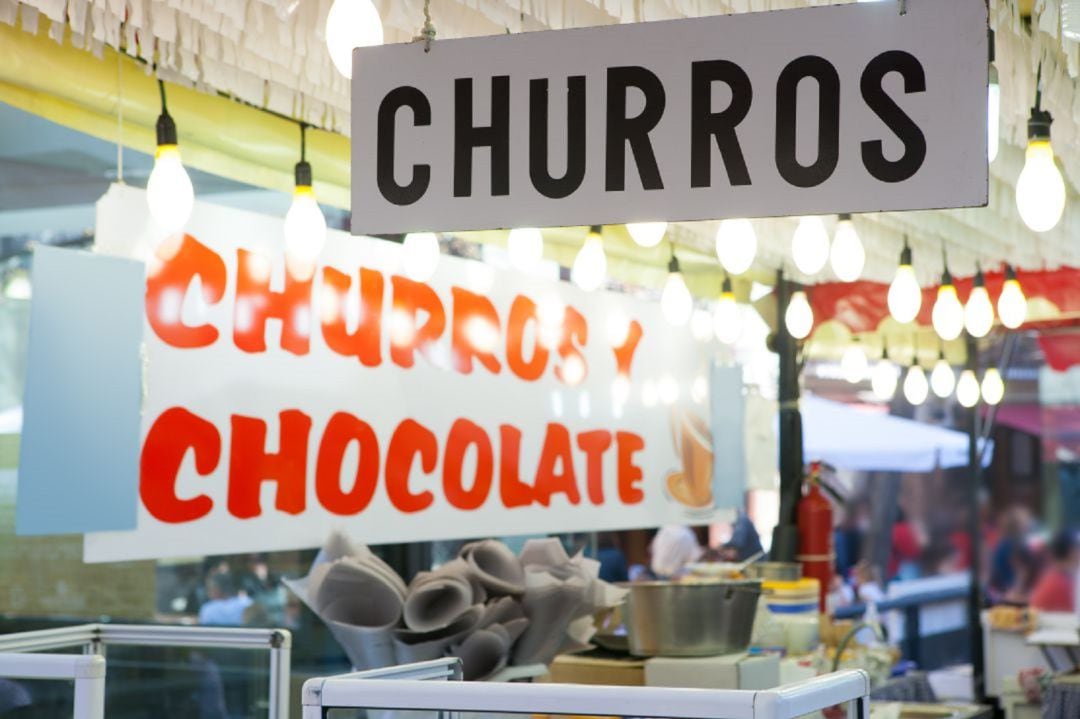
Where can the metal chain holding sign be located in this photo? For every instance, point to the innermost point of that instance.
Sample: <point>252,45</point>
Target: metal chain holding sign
<point>427,32</point>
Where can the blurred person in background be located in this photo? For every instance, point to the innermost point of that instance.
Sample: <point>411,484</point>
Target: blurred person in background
<point>224,606</point>
<point>745,541</point>
<point>671,550</point>
<point>1055,591</point>
<point>613,565</point>
<point>1011,562</point>
<point>849,537</point>
<point>907,546</point>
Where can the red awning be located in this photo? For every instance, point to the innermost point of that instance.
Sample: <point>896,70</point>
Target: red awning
<point>861,306</point>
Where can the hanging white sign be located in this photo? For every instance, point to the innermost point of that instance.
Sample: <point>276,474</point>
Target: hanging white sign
<point>846,108</point>
<point>280,405</point>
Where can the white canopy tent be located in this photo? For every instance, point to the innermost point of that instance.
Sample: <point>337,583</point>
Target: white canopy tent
<point>850,438</point>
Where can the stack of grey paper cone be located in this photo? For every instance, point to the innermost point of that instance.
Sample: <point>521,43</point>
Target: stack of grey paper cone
<point>488,607</point>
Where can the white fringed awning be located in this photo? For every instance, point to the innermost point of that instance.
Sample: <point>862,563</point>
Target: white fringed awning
<point>271,53</point>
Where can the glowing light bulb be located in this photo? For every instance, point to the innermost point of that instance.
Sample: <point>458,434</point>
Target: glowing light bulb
<point>420,255</point>
<point>993,115</point>
<point>854,365</point>
<point>1040,189</point>
<point>799,317</point>
<point>675,301</point>
<point>351,24</point>
<point>905,297</point>
<point>847,255</point>
<point>727,322</point>
<point>736,245</point>
<point>305,226</point>
<point>647,234</point>
<point>701,325</point>
<point>942,378</point>
<point>883,379</point>
<point>168,191</point>
<point>525,247</point>
<point>993,387</point>
<point>967,389</point>
<point>916,388</point>
<point>979,311</point>
<point>948,314</point>
<point>810,245</point>
<point>1012,305</point>
<point>590,265</point>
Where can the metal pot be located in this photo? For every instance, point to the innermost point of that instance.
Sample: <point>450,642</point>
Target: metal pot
<point>691,619</point>
<point>775,571</point>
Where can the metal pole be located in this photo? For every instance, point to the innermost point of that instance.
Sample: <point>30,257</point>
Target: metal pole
<point>785,544</point>
<point>975,601</point>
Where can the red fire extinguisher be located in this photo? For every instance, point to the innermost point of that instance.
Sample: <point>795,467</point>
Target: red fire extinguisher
<point>816,551</point>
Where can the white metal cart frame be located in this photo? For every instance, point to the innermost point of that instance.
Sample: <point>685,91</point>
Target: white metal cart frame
<point>87,671</point>
<point>94,638</point>
<point>787,702</point>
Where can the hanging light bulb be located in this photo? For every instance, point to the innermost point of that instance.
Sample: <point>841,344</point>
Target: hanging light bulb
<point>17,285</point>
<point>979,311</point>
<point>420,255</point>
<point>916,388</point>
<point>905,297</point>
<point>853,364</point>
<point>525,247</point>
<point>883,379</point>
<point>810,245</point>
<point>351,24</point>
<point>1012,305</point>
<point>590,265</point>
<point>169,193</point>
<point>967,389</point>
<point>942,378</point>
<point>993,387</point>
<point>993,111</point>
<point>305,226</point>
<point>847,254</point>
<point>948,314</point>
<point>799,316</point>
<point>675,300</point>
<point>647,234</point>
<point>736,245</point>
<point>1040,190</point>
<point>727,322</point>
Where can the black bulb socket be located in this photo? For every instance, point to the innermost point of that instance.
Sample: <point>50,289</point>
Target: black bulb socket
<point>1039,125</point>
<point>980,280</point>
<point>1010,272</point>
<point>905,255</point>
<point>302,173</point>
<point>725,286</point>
<point>166,130</point>
<point>946,277</point>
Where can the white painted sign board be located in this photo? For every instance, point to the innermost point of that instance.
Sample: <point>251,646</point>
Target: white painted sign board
<point>845,108</point>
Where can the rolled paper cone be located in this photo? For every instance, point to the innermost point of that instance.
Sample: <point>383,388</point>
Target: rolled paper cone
<point>366,647</point>
<point>484,652</point>
<point>496,567</point>
<point>410,646</point>
<point>434,601</point>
